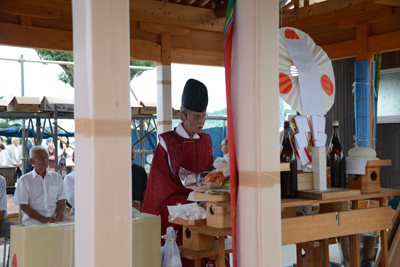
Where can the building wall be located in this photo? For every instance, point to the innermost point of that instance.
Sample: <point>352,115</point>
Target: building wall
<point>388,135</point>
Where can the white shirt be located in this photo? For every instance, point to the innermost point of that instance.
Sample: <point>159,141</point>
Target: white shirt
<point>16,151</point>
<point>3,195</point>
<point>69,184</point>
<point>40,194</point>
<point>2,158</point>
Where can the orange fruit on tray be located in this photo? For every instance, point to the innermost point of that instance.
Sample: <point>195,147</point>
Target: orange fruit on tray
<point>219,178</point>
<point>211,176</point>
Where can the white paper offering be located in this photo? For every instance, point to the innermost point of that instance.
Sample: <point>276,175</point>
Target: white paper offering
<point>302,144</point>
<point>311,95</point>
<point>318,130</point>
<point>302,125</point>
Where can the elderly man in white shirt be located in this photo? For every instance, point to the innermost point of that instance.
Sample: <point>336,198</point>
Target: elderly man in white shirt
<point>4,223</point>
<point>40,193</point>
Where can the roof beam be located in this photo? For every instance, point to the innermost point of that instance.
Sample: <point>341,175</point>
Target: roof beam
<point>376,44</point>
<point>388,2</point>
<point>368,17</point>
<point>162,28</point>
<point>24,9</point>
<point>61,40</point>
<point>199,57</point>
<point>35,37</point>
<point>323,8</point>
<point>177,15</point>
<point>202,3</point>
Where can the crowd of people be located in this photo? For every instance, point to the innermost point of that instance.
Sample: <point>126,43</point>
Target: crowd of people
<point>43,193</point>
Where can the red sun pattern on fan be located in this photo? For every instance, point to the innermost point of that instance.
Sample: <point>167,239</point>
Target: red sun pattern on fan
<point>285,83</point>
<point>291,34</point>
<point>327,85</point>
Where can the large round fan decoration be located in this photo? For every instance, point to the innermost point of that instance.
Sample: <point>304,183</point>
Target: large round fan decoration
<point>289,88</point>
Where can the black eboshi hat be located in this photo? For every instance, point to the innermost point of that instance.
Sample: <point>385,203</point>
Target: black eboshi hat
<point>195,96</point>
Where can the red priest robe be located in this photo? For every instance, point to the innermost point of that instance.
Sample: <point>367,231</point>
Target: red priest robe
<point>164,187</point>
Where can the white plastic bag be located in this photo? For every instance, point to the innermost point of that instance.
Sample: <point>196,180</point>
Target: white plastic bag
<point>170,256</point>
<point>222,164</point>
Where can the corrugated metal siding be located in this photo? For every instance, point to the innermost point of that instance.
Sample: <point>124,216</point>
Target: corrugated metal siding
<point>343,108</point>
<point>388,135</point>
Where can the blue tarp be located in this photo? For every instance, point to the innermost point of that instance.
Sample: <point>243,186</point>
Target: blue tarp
<point>216,134</point>
<point>15,132</point>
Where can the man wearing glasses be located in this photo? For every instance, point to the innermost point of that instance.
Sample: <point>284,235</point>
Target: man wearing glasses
<point>184,147</point>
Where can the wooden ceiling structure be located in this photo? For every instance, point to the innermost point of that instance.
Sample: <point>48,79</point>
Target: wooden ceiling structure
<point>191,31</point>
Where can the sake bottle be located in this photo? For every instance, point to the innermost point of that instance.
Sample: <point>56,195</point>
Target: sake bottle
<point>336,163</point>
<point>288,178</point>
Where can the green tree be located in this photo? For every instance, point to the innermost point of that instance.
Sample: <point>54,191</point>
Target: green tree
<point>68,75</point>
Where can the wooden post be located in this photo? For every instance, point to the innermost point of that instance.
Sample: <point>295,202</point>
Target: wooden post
<point>299,255</point>
<point>164,97</point>
<point>255,100</point>
<point>325,249</point>
<point>384,243</point>
<point>103,235</point>
<point>221,251</point>
<point>354,243</point>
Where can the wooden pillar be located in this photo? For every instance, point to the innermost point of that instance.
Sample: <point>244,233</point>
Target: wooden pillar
<point>354,243</point>
<point>363,81</point>
<point>102,128</point>
<point>164,98</point>
<point>255,108</point>
<point>384,243</point>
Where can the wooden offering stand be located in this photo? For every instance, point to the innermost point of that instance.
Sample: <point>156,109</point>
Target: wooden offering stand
<point>198,235</point>
<point>193,240</point>
<point>218,209</point>
<point>370,182</point>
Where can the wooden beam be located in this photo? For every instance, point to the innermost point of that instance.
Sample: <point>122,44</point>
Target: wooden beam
<point>59,40</point>
<point>340,50</point>
<point>362,52</point>
<point>199,57</point>
<point>63,5</point>
<point>25,9</point>
<point>319,9</point>
<point>369,17</point>
<point>165,49</point>
<point>24,20</point>
<point>35,37</point>
<point>388,2</point>
<point>384,42</point>
<point>189,2</point>
<point>177,15</point>
<point>146,51</point>
<point>157,28</point>
<point>321,226</point>
<point>376,44</point>
<point>202,3</point>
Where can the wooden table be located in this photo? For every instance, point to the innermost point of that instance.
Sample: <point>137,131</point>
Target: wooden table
<point>322,226</point>
<point>219,249</point>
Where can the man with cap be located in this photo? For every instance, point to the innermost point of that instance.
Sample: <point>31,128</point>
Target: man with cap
<point>184,147</point>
